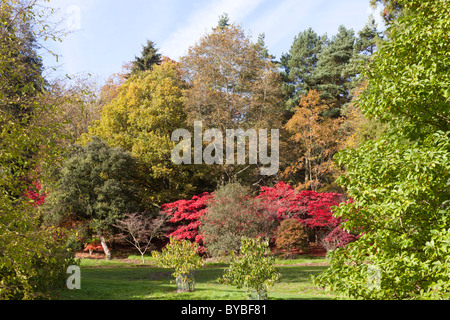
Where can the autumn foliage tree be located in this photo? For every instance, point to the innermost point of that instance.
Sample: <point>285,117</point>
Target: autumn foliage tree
<point>290,235</point>
<point>184,217</point>
<point>236,213</point>
<point>313,209</point>
<point>231,85</point>
<point>315,137</point>
<point>148,108</point>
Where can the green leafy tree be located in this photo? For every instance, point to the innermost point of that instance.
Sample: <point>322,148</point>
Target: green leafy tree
<point>21,78</point>
<point>252,269</point>
<point>96,186</point>
<point>33,259</point>
<point>399,183</point>
<point>183,257</point>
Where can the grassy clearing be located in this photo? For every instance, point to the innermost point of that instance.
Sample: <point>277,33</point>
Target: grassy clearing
<point>129,279</point>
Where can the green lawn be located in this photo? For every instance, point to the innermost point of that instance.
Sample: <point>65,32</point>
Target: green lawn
<point>132,280</point>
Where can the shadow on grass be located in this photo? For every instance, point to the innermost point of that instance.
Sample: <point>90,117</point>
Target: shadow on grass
<point>294,274</point>
<point>152,283</point>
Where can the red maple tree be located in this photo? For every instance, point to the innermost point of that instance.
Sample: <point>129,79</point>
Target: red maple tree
<point>185,217</point>
<point>313,209</point>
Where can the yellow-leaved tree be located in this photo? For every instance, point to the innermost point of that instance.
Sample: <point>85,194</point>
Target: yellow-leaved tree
<point>148,108</point>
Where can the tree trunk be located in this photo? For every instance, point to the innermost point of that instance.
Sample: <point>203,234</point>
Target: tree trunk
<point>186,283</point>
<point>105,248</point>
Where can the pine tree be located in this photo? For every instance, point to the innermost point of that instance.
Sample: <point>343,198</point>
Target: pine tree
<point>224,22</point>
<point>21,77</point>
<point>329,75</point>
<point>299,65</point>
<point>365,46</point>
<point>367,37</point>
<point>149,57</point>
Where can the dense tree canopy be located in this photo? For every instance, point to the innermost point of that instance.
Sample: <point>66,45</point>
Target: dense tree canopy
<point>230,85</point>
<point>399,183</point>
<point>33,259</point>
<point>148,108</point>
<point>96,186</point>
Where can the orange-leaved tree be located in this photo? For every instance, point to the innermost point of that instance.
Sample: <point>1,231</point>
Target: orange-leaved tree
<point>315,140</point>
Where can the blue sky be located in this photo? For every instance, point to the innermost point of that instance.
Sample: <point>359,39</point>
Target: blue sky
<point>108,33</point>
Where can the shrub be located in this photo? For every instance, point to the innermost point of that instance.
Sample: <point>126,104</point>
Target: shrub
<point>290,235</point>
<point>32,265</point>
<point>338,238</point>
<point>252,269</point>
<point>185,218</point>
<point>231,214</point>
<point>93,246</point>
<point>182,256</point>
<point>311,208</point>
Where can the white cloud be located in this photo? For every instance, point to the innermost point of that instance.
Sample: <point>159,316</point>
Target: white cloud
<point>283,21</point>
<point>201,20</point>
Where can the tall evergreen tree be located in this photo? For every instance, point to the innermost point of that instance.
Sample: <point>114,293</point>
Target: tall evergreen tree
<point>299,65</point>
<point>33,259</point>
<point>21,77</point>
<point>367,37</point>
<point>263,51</point>
<point>329,76</point>
<point>224,22</point>
<point>149,57</point>
<point>365,46</point>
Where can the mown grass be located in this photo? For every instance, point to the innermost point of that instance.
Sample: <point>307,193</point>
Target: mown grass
<point>131,280</point>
